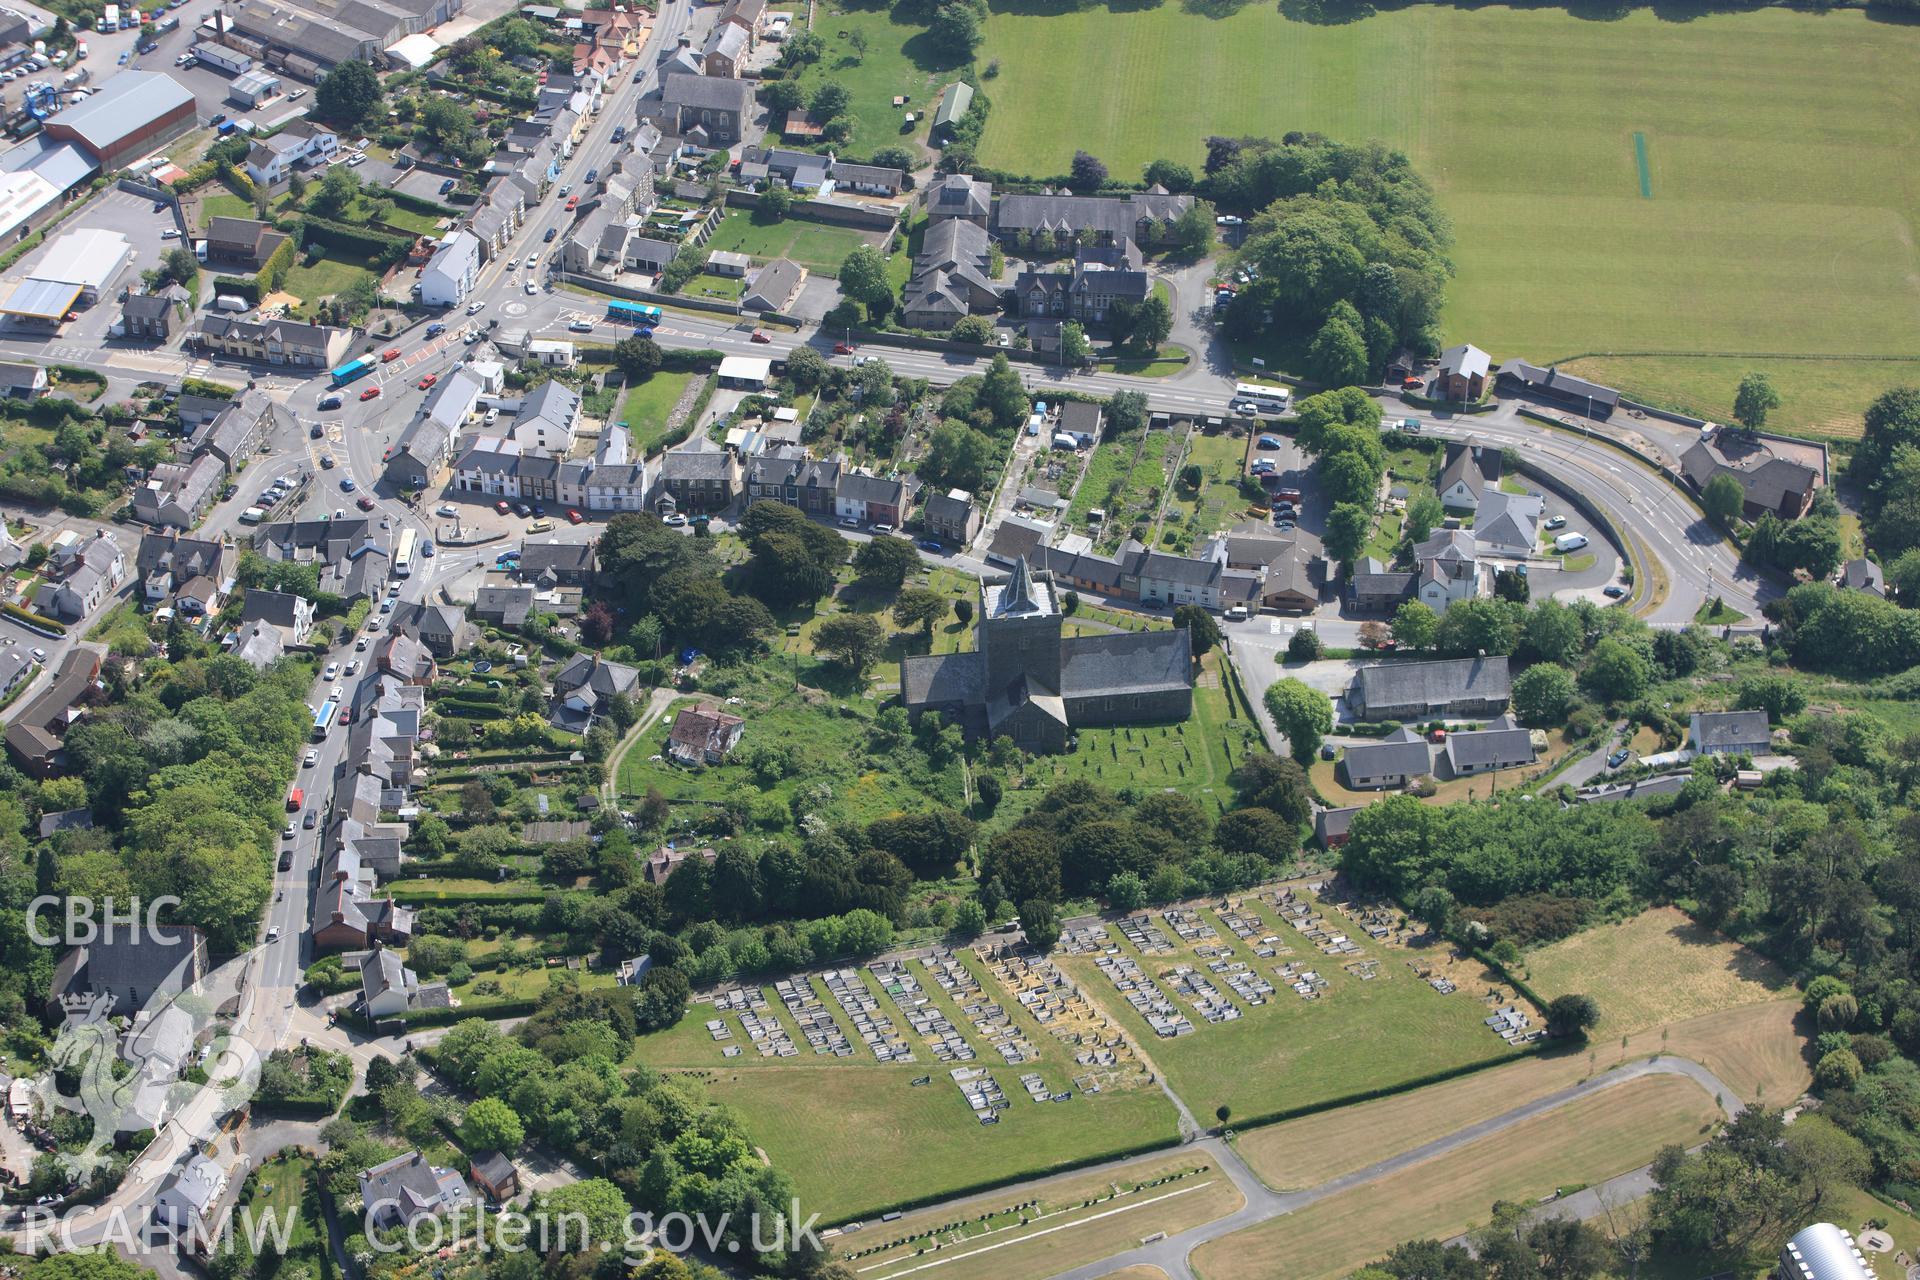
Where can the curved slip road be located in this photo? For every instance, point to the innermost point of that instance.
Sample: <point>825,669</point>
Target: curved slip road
<point>1264,1203</point>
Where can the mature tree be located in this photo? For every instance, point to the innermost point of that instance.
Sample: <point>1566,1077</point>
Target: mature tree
<point>774,204</point>
<point>957,457</point>
<point>830,98</point>
<point>336,191</point>
<point>917,606</point>
<point>1351,476</point>
<point>874,380</point>
<point>1003,395</point>
<point>863,277</point>
<point>785,94</point>
<point>1192,231</point>
<point>854,640</point>
<point>1890,421</point>
<point>1555,633</point>
<point>1304,646</point>
<point>1152,324</point>
<point>1424,515</point>
<point>1126,411</point>
<point>1171,174</point>
<point>1512,586</point>
<point>885,562</point>
<point>896,158</point>
<point>1617,671</point>
<point>1572,1014</point>
<point>930,842</point>
<point>785,569</point>
<point>1472,627</point>
<point>491,1125</point>
<point>1201,628</point>
<point>1074,346</point>
<point>1903,575</point>
<point>1434,907</point>
<point>974,329</point>
<point>1337,356</point>
<point>1415,625</point>
<point>1087,173</point>
<point>1723,499</point>
<point>806,367</point>
<point>1260,832</point>
<point>638,358</point>
<point>348,94</point>
<point>1302,713</point>
<point>1348,526</point>
<point>1754,400</point>
<point>1780,696</point>
<point>956,31</point>
<point>1542,693</point>
<point>1040,923</point>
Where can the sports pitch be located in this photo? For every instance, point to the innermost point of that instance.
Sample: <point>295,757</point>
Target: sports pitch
<point>1780,207</point>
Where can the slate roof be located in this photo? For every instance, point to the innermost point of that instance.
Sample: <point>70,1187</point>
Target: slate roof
<point>1509,520</point>
<point>1863,575</point>
<point>1475,466</point>
<point>699,458</point>
<point>1501,743</point>
<point>1125,662</point>
<point>1557,383</point>
<point>1402,754</point>
<point>773,288</point>
<point>1465,361</point>
<point>1013,538</point>
<point>866,488</point>
<point>959,195</point>
<point>1080,418</point>
<point>1721,730</point>
<point>1395,684</point>
<point>709,93</point>
<point>943,678</point>
<point>1766,478</point>
<point>1330,823</point>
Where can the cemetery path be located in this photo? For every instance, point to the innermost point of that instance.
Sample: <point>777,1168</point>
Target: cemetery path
<point>1264,1203</point>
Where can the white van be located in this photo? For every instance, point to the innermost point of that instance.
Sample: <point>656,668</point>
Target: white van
<point>1237,613</point>
<point>1569,542</point>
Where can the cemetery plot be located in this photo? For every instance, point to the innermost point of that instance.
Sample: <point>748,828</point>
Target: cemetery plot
<point>1278,1000</point>
<point>990,1021</point>
<point>927,1019</point>
<point>763,1030</point>
<point>810,1015</point>
<point>1162,1017</point>
<point>863,1011</point>
<point>981,1093</point>
<point>1103,1059</point>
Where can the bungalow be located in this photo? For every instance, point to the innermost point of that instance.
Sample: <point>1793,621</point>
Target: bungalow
<point>1392,762</point>
<point>1730,733</point>
<point>1508,524</point>
<point>1501,745</point>
<point>1769,482</point>
<point>585,688</point>
<point>1449,689</point>
<point>662,862</point>
<point>1517,377</point>
<point>703,735</point>
<point>775,287</point>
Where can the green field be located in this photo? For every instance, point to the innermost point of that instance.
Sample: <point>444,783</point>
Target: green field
<point>1292,1052</point>
<point>896,64</point>
<point>814,245</point>
<point>1781,214</point>
<point>644,408</point>
<point>324,279</point>
<point>857,1135</point>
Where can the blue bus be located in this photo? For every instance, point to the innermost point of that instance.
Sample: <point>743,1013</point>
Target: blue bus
<point>354,369</point>
<point>633,313</point>
<point>323,719</point>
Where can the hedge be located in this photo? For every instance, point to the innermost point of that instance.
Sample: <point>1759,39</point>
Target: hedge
<point>247,287</point>
<point>351,239</point>
<point>419,204</point>
<point>1518,984</point>
<point>415,894</point>
<point>311,1108</point>
<point>27,617</point>
<point>494,1010</point>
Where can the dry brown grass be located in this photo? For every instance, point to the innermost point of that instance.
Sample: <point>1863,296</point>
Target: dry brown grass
<point>1066,1236</point>
<point>1142,1272</point>
<point>1754,1048</point>
<point>1656,969</point>
<point>1586,1141</point>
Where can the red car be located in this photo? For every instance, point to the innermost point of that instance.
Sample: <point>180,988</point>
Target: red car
<point>760,336</point>
<point>389,355</point>
<point>1412,384</point>
<point>501,506</point>
<point>427,381</point>
<point>573,202</point>
<point>364,502</point>
<point>842,349</point>
<point>370,393</point>
<point>574,517</point>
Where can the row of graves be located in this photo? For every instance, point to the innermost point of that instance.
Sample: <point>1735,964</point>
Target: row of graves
<point>870,1023</point>
<point>991,1022</point>
<point>1307,982</point>
<point>1202,994</point>
<point>1514,1025</point>
<point>763,1030</point>
<point>817,1026</point>
<point>927,1019</point>
<point>1140,991</point>
<point>1102,1056</point>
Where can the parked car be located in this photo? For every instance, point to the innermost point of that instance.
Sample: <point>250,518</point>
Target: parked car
<point>551,233</point>
<point>1613,591</point>
<point>1618,758</point>
<point>1268,442</point>
<point>1556,522</point>
<point>928,544</point>
<point>446,509</point>
<point>675,521</point>
<point>502,507</point>
<point>446,186</point>
<point>848,522</point>
<point>574,517</point>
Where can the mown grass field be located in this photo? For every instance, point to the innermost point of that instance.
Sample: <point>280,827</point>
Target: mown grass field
<point>858,1135</point>
<point>645,406</point>
<point>1781,209</point>
<point>1583,1142</point>
<point>814,245</point>
<point>1292,1052</point>
<point>1659,967</point>
<point>898,62</point>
